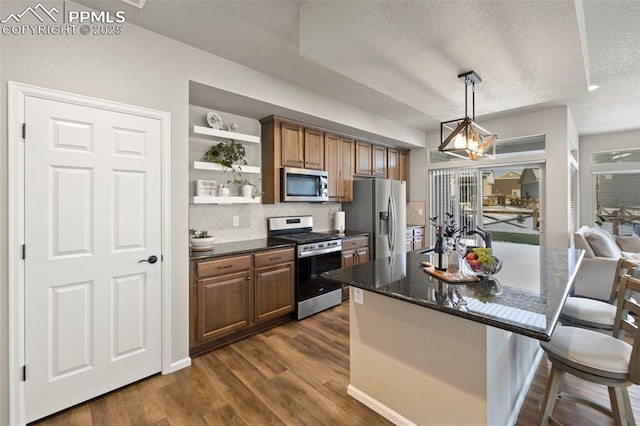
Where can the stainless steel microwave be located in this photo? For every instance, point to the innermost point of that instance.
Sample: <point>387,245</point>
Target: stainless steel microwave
<point>303,185</point>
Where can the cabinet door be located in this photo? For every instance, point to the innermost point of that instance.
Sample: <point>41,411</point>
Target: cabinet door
<point>379,161</point>
<point>332,165</point>
<point>403,168</point>
<point>363,158</point>
<point>418,243</point>
<point>362,255</point>
<point>313,149</point>
<point>348,258</point>
<point>409,244</point>
<point>292,145</point>
<point>392,163</point>
<point>274,291</point>
<point>223,305</point>
<point>347,162</point>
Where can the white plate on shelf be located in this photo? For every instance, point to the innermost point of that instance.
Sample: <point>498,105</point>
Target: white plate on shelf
<point>215,121</point>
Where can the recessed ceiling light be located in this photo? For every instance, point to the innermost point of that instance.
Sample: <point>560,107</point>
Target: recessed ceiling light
<point>593,87</point>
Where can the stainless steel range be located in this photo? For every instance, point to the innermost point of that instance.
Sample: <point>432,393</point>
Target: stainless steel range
<point>316,252</point>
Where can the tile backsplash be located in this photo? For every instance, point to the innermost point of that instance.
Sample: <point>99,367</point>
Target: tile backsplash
<point>417,213</point>
<point>252,218</point>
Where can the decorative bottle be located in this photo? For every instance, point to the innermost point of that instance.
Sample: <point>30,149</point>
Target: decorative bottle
<point>440,256</point>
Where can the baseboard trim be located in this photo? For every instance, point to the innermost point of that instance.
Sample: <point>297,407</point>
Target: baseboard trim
<point>178,365</point>
<point>378,407</point>
<point>513,418</point>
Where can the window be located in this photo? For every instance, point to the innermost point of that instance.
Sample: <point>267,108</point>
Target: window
<point>499,149</point>
<point>617,199</point>
<point>504,201</point>
<point>611,157</point>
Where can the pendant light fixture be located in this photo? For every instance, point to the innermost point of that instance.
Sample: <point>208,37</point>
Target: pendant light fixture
<point>467,138</point>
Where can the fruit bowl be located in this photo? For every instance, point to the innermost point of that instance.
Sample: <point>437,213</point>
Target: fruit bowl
<point>481,262</point>
<point>479,269</point>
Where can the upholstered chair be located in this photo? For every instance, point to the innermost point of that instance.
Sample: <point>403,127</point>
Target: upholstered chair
<point>596,314</point>
<point>598,358</point>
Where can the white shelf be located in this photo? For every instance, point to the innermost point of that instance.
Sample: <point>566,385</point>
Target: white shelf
<point>216,167</point>
<point>225,200</point>
<point>201,130</point>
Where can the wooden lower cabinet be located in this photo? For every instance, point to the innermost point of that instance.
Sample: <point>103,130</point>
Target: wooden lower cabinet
<point>236,296</point>
<point>355,251</point>
<point>274,291</point>
<point>415,238</point>
<point>224,305</point>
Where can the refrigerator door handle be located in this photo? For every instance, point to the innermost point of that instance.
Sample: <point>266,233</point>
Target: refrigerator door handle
<point>392,223</point>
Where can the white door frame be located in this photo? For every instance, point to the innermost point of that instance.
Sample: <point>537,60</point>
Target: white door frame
<point>17,94</point>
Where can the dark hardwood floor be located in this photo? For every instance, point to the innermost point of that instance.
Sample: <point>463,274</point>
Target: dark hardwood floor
<point>295,374</point>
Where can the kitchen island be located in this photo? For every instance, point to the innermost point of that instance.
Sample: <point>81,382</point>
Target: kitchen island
<point>427,352</point>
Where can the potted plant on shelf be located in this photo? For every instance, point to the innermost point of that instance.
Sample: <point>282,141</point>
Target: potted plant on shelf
<point>228,155</point>
<point>247,188</point>
<point>201,239</point>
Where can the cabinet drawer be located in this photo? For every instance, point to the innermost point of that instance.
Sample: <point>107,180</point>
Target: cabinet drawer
<point>273,257</point>
<point>415,231</point>
<point>223,266</point>
<point>353,243</point>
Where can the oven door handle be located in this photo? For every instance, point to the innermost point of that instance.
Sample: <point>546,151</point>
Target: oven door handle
<point>317,252</point>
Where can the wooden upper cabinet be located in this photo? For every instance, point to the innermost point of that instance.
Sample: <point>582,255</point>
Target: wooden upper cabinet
<point>347,169</point>
<point>363,158</point>
<point>392,163</point>
<point>292,145</point>
<point>379,161</point>
<point>332,164</point>
<point>403,168</point>
<point>313,149</point>
<point>339,164</point>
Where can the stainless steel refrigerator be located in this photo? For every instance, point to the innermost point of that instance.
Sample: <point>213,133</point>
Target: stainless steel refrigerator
<point>379,207</point>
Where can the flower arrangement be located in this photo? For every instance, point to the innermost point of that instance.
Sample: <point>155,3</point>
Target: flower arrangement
<point>449,227</point>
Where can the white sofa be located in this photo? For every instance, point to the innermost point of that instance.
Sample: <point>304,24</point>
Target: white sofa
<point>595,276</point>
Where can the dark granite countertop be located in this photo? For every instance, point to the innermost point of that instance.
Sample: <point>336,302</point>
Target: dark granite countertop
<point>535,282</point>
<point>239,247</point>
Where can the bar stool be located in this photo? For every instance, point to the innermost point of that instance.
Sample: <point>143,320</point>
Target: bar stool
<point>598,358</point>
<point>595,314</point>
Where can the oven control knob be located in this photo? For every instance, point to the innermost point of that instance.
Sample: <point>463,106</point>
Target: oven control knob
<point>320,245</point>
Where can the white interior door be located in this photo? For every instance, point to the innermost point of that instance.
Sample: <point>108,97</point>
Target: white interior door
<point>93,212</point>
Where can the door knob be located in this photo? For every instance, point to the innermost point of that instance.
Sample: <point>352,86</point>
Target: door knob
<point>151,259</point>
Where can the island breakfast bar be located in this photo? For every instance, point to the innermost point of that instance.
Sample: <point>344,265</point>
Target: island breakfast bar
<point>423,351</point>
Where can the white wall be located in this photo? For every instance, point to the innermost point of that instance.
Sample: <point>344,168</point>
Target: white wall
<point>143,68</point>
<point>557,125</point>
<point>594,143</point>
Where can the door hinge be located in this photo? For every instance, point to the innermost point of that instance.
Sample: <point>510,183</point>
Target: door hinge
<point>24,130</point>
<point>24,251</point>
<point>24,373</point>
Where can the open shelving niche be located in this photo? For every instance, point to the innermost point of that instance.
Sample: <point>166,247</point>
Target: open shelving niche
<point>203,165</point>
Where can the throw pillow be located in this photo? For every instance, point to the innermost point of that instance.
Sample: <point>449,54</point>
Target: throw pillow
<point>631,256</point>
<point>630,244</point>
<point>602,245</point>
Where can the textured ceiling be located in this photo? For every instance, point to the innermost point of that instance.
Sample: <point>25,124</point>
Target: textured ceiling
<point>400,59</point>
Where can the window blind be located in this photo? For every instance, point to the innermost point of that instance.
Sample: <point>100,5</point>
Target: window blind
<point>573,202</point>
<point>454,191</point>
